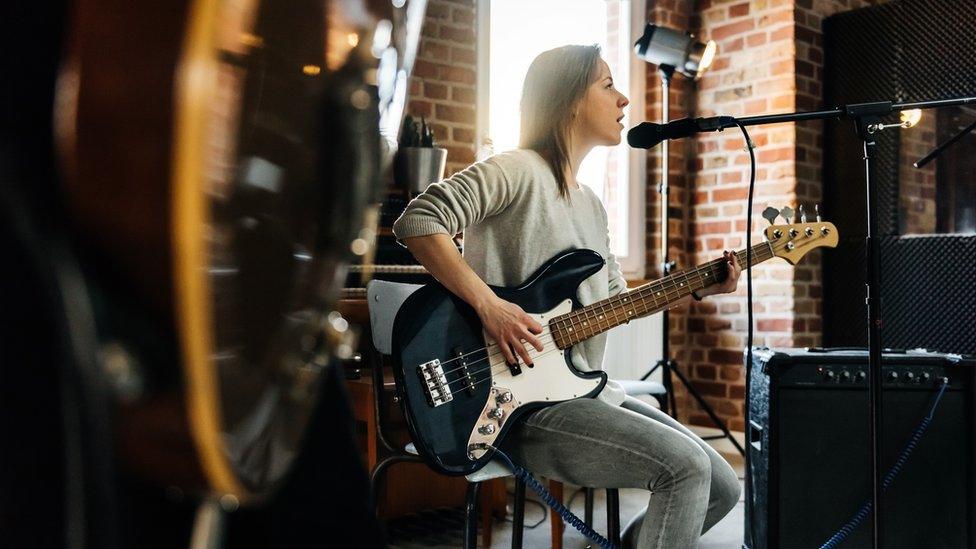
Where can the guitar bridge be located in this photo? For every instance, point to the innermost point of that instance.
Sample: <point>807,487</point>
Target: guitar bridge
<point>435,382</point>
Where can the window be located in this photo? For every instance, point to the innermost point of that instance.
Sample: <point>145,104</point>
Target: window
<point>511,33</point>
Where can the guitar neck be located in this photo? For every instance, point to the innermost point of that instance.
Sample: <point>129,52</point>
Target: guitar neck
<point>586,322</point>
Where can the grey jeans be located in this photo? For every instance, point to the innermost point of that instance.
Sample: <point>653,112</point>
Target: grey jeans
<point>588,442</point>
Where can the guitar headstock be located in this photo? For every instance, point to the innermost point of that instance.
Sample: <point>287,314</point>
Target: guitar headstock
<point>792,241</point>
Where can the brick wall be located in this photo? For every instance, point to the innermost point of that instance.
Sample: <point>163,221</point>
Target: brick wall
<point>442,87</point>
<point>917,187</point>
<point>770,60</point>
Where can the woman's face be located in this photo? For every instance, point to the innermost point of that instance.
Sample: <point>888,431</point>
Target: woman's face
<point>601,110</point>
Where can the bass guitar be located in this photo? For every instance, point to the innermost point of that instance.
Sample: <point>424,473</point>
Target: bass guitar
<point>459,395</point>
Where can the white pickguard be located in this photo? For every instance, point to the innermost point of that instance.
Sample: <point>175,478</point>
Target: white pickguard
<point>549,380</point>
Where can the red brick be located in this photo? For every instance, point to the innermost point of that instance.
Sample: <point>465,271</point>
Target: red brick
<point>435,91</point>
<point>714,227</point>
<point>462,155</point>
<point>737,193</point>
<point>706,372</point>
<point>463,35</point>
<point>462,135</point>
<point>458,74</point>
<point>725,31</point>
<point>463,55</point>
<point>433,51</point>
<point>739,10</point>
<point>449,113</point>
<point>463,16</point>
<point>462,94</point>
<point>725,356</point>
<point>710,388</point>
<point>420,108</point>
<point>774,325</point>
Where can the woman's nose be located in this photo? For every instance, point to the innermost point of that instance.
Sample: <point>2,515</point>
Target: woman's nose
<point>623,101</point>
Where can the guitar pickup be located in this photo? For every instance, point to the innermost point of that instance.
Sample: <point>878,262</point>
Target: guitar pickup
<point>515,369</point>
<point>435,384</point>
<point>465,377</point>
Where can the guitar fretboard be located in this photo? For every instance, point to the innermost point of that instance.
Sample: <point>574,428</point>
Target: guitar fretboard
<point>586,322</point>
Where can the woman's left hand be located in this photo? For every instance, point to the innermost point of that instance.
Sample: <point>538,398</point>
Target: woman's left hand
<point>731,282</point>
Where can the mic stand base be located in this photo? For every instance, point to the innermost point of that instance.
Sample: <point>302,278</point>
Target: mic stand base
<point>669,368</point>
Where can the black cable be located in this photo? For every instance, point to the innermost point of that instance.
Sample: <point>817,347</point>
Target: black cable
<point>568,516</point>
<point>749,331</point>
<point>862,513</point>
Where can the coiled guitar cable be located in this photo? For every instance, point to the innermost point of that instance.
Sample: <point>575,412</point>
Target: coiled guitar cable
<point>550,500</point>
<point>865,509</point>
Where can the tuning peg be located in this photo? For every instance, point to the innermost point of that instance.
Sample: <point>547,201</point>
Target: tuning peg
<point>770,213</point>
<point>816,208</point>
<point>787,214</point>
<point>803,215</point>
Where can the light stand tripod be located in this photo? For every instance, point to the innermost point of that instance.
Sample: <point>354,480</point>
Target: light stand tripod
<point>669,367</point>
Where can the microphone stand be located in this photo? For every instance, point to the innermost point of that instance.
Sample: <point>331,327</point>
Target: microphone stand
<point>938,150</point>
<point>670,367</point>
<point>867,122</point>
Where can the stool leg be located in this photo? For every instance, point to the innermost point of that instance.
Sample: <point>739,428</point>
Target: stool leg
<point>375,480</point>
<point>613,516</point>
<point>588,506</point>
<point>471,516</point>
<point>518,518</point>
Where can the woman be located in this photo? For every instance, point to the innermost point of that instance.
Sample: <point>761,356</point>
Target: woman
<point>517,210</point>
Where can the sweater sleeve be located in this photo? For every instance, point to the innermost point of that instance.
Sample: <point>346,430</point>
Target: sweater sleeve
<point>618,284</point>
<point>464,199</point>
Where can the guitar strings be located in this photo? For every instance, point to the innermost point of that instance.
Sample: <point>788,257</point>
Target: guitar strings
<point>676,291</point>
<point>493,354</point>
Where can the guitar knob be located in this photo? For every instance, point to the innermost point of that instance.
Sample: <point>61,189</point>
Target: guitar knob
<point>504,398</point>
<point>808,231</point>
<point>824,231</point>
<point>496,413</point>
<point>777,233</point>
<point>793,233</point>
<point>487,429</point>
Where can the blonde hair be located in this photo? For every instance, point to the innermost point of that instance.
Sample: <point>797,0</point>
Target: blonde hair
<point>554,85</point>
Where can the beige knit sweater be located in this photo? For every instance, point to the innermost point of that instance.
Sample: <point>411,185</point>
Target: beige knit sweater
<point>514,221</point>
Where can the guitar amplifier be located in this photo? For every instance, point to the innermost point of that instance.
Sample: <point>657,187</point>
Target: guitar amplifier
<point>810,452</point>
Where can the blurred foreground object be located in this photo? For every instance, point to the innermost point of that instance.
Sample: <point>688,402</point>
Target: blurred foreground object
<point>216,159</point>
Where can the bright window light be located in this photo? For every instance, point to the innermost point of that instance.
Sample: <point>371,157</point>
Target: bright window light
<point>520,30</point>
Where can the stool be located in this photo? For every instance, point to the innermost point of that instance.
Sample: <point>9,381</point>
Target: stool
<point>632,387</point>
<point>384,299</point>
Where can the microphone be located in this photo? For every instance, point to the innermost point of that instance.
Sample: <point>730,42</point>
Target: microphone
<point>647,134</point>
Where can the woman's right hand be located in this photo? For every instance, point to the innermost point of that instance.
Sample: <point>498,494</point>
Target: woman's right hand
<point>511,327</point>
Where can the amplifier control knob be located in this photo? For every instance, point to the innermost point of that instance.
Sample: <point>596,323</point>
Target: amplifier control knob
<point>910,378</point>
<point>892,376</point>
<point>924,377</point>
<point>845,376</point>
<point>487,429</point>
<point>861,376</point>
<point>829,375</point>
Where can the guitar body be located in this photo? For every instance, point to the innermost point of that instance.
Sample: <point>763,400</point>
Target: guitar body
<point>434,324</point>
<point>216,168</point>
<point>459,396</point>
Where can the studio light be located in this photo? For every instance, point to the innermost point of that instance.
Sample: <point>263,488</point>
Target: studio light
<point>667,47</point>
